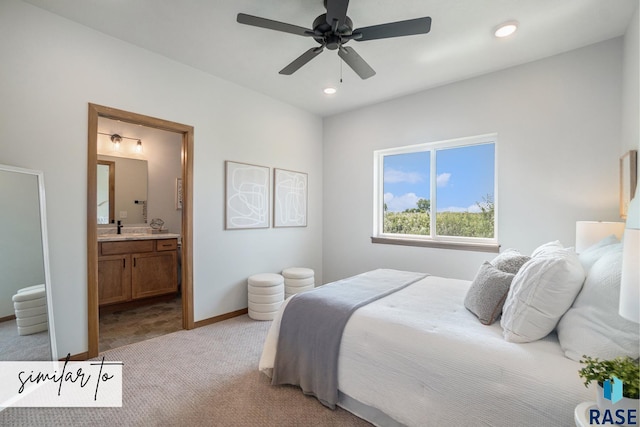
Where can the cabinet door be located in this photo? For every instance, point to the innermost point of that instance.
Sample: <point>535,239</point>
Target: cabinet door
<point>114,279</point>
<point>154,274</point>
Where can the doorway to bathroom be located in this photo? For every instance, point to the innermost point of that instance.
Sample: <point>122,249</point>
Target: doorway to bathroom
<point>152,160</point>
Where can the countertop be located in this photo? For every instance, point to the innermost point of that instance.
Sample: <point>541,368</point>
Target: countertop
<point>136,236</point>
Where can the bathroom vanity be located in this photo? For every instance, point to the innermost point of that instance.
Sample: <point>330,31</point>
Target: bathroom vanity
<point>133,267</point>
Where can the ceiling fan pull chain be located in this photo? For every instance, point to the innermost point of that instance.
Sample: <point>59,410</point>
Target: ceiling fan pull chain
<point>340,69</point>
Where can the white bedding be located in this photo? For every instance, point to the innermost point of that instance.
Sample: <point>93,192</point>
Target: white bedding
<point>420,357</point>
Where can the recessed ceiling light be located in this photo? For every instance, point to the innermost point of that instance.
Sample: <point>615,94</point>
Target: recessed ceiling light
<point>506,29</point>
<point>329,90</point>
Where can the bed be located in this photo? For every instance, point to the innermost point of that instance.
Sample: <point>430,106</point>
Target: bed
<point>419,356</point>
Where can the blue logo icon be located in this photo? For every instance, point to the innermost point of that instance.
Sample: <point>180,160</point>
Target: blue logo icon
<point>612,390</point>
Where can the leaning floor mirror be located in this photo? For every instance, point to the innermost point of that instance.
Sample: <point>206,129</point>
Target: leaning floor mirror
<point>26,314</point>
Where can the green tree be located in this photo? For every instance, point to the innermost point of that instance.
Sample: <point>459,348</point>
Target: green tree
<point>487,211</point>
<point>487,205</point>
<point>424,205</point>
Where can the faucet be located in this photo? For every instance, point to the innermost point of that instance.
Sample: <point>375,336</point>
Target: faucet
<point>119,227</point>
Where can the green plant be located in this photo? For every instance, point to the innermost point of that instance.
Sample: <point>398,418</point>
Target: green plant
<point>417,220</point>
<point>624,368</point>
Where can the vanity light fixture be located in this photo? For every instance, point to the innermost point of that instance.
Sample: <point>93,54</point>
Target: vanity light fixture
<point>505,29</point>
<point>116,139</point>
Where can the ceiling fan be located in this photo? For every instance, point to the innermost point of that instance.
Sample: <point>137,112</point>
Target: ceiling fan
<point>333,29</point>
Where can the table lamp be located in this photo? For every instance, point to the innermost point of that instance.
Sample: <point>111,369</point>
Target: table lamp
<point>630,281</point>
<point>591,232</point>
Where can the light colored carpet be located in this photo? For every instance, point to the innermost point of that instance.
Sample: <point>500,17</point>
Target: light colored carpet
<point>203,377</point>
<point>22,347</point>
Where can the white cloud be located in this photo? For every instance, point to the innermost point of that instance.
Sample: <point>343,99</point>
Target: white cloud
<point>452,209</point>
<point>400,203</point>
<point>393,176</point>
<point>388,197</point>
<point>472,209</point>
<point>443,179</point>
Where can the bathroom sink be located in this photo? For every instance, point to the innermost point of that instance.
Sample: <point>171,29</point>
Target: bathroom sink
<point>123,236</point>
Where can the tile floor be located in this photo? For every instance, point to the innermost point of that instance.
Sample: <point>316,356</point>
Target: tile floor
<point>138,324</point>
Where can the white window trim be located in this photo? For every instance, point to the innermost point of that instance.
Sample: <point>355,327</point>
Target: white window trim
<point>446,242</point>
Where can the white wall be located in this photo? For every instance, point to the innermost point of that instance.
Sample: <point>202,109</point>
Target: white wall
<point>558,125</point>
<point>631,86</point>
<point>165,166</point>
<point>52,68</point>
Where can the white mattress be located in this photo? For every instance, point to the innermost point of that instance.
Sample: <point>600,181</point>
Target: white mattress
<point>420,357</point>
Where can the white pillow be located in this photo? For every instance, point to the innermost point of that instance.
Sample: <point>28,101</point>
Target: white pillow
<point>592,326</point>
<point>541,292</point>
<point>547,249</point>
<point>589,256</point>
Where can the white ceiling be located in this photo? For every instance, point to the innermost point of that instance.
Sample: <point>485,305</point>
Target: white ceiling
<point>205,35</point>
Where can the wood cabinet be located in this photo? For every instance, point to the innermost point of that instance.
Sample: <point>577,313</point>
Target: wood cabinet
<point>114,279</point>
<point>135,269</point>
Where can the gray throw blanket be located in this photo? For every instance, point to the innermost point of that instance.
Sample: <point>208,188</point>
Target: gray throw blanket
<point>312,326</point>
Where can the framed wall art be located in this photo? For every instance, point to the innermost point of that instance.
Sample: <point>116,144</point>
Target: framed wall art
<point>246,196</point>
<point>289,198</point>
<point>628,180</point>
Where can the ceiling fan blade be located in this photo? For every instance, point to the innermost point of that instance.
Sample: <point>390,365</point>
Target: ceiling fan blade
<point>336,11</point>
<point>301,60</point>
<point>353,60</point>
<point>269,24</point>
<point>394,29</point>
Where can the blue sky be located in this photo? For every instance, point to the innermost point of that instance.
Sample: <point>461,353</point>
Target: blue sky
<point>464,175</point>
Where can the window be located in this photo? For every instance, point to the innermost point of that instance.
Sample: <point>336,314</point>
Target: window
<point>437,194</point>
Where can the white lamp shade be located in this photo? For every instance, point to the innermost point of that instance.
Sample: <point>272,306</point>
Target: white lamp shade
<point>589,233</point>
<point>630,281</point>
<point>633,211</point>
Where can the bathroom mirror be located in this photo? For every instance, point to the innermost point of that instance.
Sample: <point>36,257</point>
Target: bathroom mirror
<point>122,190</point>
<point>27,333</point>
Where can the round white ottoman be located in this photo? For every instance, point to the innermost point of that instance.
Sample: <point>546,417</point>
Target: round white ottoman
<point>30,307</point>
<point>296,280</point>
<point>266,294</point>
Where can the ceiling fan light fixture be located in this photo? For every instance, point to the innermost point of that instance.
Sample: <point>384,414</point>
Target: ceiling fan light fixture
<point>506,29</point>
<point>329,90</point>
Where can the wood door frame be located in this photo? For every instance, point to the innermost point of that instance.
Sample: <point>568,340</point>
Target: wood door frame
<point>96,111</point>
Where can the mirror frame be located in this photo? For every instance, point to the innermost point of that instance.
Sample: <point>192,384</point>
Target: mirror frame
<point>45,250</point>
<point>112,188</point>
